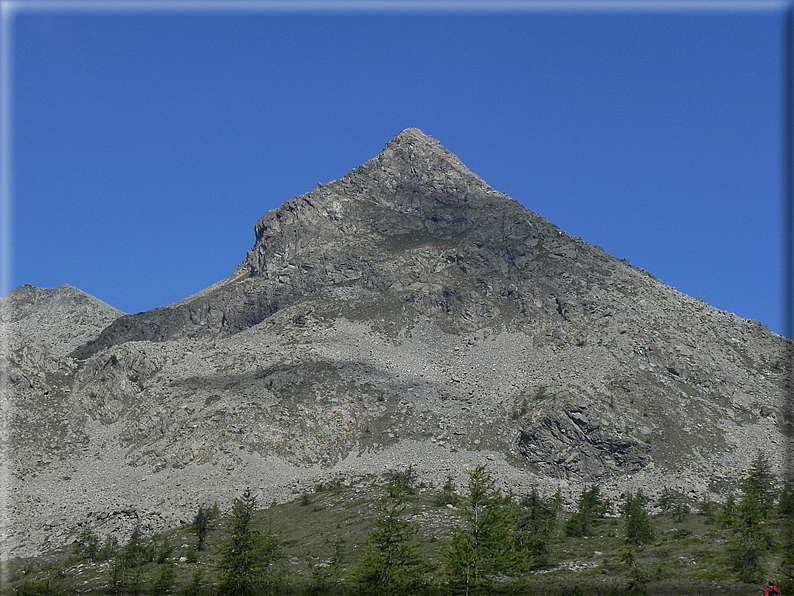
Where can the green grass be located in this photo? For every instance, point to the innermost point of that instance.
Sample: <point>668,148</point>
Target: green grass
<point>687,557</point>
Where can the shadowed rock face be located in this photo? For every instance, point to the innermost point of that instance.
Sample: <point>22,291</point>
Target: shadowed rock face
<point>406,313</point>
<point>575,445</point>
<point>412,221</point>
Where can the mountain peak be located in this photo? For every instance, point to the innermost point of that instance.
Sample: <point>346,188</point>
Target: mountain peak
<point>413,136</point>
<point>415,163</point>
<point>58,319</point>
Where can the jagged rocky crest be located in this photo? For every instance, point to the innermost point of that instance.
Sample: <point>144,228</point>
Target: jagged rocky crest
<point>406,313</point>
<point>374,228</point>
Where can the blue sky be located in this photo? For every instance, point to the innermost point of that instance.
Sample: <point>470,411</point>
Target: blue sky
<point>148,144</point>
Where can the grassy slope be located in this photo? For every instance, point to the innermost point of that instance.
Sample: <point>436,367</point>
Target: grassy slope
<point>687,558</point>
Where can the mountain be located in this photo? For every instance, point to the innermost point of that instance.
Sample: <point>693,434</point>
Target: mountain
<point>406,313</point>
<point>56,320</point>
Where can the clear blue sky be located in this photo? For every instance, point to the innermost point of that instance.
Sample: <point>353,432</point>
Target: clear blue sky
<point>147,145</point>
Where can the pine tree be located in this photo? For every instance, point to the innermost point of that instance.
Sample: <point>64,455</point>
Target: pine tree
<point>164,581</point>
<point>134,552</point>
<point>87,545</point>
<point>327,581</point>
<point>484,546</point>
<point>248,557</point>
<point>590,509</point>
<point>393,564</point>
<point>536,519</point>
<point>708,510</point>
<point>760,485</point>
<point>402,484</point>
<point>164,551</point>
<point>448,494</point>
<point>727,514</point>
<point>201,524</point>
<point>785,501</point>
<point>674,502</point>
<point>752,538</point>
<point>196,581</point>
<point>638,524</point>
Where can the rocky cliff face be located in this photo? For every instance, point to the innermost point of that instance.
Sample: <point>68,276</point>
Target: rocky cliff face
<point>414,221</point>
<point>406,313</point>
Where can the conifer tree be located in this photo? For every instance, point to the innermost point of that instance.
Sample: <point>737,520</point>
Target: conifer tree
<point>134,552</point>
<point>638,524</point>
<point>708,510</point>
<point>673,502</point>
<point>248,557</point>
<point>535,521</point>
<point>448,494</point>
<point>109,549</point>
<point>590,509</point>
<point>402,484</point>
<point>727,514</point>
<point>752,538</point>
<point>87,545</point>
<point>760,485</point>
<point>164,581</point>
<point>196,581</point>
<point>393,564</point>
<point>201,524</point>
<point>785,502</point>
<point>484,546</point>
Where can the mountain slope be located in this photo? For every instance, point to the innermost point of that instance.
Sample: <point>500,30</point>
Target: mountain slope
<point>406,313</point>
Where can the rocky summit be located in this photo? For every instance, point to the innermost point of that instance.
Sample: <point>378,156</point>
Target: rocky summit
<point>406,313</point>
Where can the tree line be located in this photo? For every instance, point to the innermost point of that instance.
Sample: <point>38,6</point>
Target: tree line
<point>495,544</point>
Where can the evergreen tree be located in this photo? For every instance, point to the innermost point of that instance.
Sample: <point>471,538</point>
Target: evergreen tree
<point>708,510</point>
<point>484,546</point>
<point>164,582</point>
<point>536,519</point>
<point>752,538</point>
<point>196,581</point>
<point>448,494</point>
<point>134,552</point>
<point>785,502</point>
<point>201,525</point>
<point>393,564</point>
<point>163,552</point>
<point>591,508</point>
<point>247,559</point>
<point>728,512</point>
<point>117,576</point>
<point>86,545</point>
<point>151,549</point>
<point>109,548</point>
<point>760,485</point>
<point>638,524</point>
<point>674,503</point>
<point>402,484</point>
<point>637,581</point>
<point>133,582</point>
<point>32,587</point>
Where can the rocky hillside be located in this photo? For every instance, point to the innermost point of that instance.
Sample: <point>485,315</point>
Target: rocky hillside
<point>55,320</point>
<point>405,313</point>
